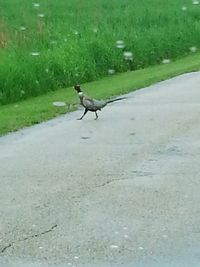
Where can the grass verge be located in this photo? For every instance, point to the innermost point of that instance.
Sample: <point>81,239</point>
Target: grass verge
<point>38,109</point>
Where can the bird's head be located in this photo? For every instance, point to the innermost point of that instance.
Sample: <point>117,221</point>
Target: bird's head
<point>77,87</point>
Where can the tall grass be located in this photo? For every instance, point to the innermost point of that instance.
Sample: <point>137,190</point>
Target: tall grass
<point>63,42</point>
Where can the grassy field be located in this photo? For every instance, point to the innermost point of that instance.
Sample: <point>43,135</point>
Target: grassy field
<point>51,44</point>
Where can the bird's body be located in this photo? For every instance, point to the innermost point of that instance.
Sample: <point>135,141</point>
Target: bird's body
<point>90,104</point>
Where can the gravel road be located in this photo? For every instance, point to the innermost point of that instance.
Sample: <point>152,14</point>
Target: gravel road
<point>120,191</point>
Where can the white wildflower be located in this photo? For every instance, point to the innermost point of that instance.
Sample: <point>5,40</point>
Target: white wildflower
<point>111,71</point>
<point>36,5</point>
<point>193,49</point>
<point>22,28</point>
<point>35,54</point>
<point>120,44</point>
<point>128,55</point>
<point>166,61</point>
<point>41,15</point>
<point>184,8</point>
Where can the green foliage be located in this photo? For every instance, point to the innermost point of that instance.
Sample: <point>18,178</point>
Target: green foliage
<point>76,40</point>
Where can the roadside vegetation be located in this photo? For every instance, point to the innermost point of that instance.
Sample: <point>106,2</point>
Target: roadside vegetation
<point>46,45</point>
<point>38,109</point>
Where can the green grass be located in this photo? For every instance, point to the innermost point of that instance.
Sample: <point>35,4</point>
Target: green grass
<point>151,29</point>
<point>38,109</point>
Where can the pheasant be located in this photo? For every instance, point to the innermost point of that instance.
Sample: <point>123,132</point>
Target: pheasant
<point>90,104</point>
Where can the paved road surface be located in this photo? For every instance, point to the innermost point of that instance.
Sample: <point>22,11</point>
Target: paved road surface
<point>120,191</point>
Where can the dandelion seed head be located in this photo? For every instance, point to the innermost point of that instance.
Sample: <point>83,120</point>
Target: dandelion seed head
<point>36,5</point>
<point>35,54</point>
<point>120,44</point>
<point>22,28</point>
<point>128,55</point>
<point>193,49</point>
<point>53,42</point>
<point>41,15</point>
<point>184,8</point>
<point>111,71</point>
<point>166,61</point>
<point>195,2</point>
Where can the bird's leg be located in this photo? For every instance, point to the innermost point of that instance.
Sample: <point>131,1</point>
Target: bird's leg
<point>86,110</point>
<point>96,115</point>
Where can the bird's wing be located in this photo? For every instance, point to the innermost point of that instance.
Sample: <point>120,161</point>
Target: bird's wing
<point>93,104</point>
<point>88,102</point>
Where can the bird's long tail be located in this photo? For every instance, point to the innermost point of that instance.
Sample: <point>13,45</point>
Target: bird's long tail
<point>116,99</point>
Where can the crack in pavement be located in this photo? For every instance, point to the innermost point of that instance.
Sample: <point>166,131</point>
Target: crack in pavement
<point>112,181</point>
<point>28,238</point>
